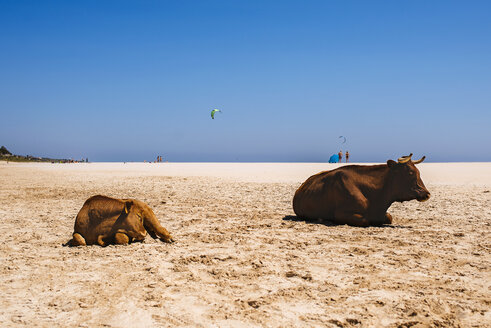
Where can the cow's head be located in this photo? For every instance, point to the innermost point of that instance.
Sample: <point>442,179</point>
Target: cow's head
<point>150,222</point>
<point>405,181</point>
<point>134,218</point>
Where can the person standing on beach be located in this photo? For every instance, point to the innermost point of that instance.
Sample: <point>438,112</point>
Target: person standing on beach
<point>347,156</point>
<point>340,155</point>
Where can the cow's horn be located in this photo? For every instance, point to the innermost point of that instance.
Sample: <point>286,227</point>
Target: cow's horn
<point>405,159</point>
<point>419,160</point>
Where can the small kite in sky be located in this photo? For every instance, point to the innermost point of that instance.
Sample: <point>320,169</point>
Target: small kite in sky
<point>344,139</point>
<point>213,113</point>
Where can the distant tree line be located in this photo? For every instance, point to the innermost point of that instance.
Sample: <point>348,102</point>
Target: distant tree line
<point>4,151</point>
<point>6,155</point>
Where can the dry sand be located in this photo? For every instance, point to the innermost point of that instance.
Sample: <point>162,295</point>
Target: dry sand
<point>242,259</point>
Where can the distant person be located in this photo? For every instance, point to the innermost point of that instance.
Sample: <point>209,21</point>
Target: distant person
<point>340,155</point>
<point>347,156</point>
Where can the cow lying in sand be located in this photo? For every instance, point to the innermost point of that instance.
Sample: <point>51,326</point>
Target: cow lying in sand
<point>360,195</point>
<point>104,220</point>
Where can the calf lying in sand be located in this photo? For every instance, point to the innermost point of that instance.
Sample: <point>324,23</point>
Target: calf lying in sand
<point>104,220</point>
<point>360,195</point>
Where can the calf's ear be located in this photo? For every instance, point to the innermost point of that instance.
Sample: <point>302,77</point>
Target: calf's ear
<point>127,206</point>
<point>391,163</point>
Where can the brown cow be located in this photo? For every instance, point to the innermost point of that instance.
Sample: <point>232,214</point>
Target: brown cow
<point>360,195</point>
<point>104,220</point>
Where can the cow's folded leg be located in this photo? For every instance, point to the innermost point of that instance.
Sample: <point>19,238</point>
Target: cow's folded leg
<point>121,238</point>
<point>388,218</point>
<point>100,240</point>
<point>380,220</point>
<point>77,240</point>
<point>351,219</point>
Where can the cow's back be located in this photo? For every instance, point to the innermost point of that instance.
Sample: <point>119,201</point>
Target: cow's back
<point>314,198</point>
<point>97,215</point>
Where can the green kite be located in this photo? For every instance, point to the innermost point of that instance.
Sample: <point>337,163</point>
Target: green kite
<point>213,113</point>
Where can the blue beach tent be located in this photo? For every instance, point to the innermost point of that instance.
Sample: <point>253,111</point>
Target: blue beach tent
<point>334,158</point>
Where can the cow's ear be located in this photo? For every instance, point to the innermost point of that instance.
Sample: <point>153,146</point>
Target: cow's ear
<point>127,206</point>
<point>391,163</point>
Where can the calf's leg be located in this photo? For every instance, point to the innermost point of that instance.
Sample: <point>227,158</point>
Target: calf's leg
<point>121,238</point>
<point>101,240</point>
<point>77,240</point>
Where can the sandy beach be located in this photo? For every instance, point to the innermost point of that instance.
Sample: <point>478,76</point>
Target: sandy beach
<point>241,257</point>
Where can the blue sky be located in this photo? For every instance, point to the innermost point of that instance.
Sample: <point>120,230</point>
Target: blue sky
<point>128,80</point>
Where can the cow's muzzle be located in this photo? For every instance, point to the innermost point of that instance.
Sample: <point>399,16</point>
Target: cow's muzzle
<point>424,197</point>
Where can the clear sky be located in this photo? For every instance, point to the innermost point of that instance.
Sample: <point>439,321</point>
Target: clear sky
<point>129,80</point>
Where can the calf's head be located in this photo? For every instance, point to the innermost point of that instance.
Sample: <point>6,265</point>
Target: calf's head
<point>405,180</point>
<point>133,220</point>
